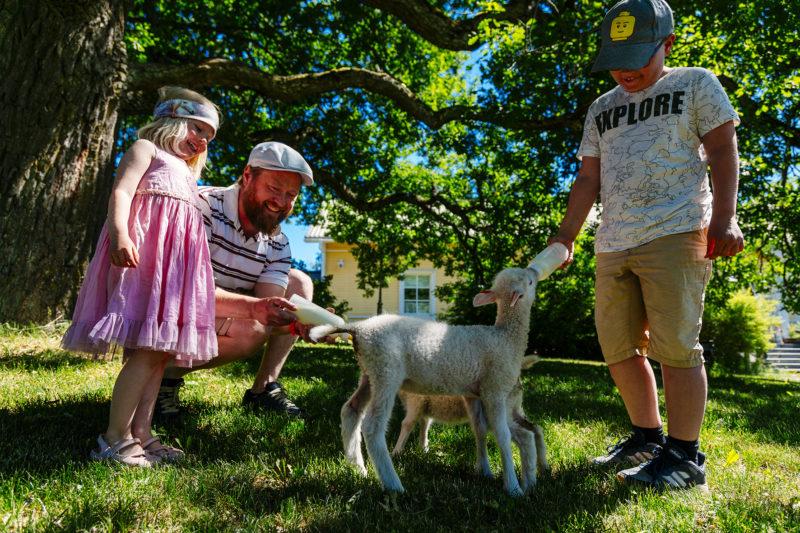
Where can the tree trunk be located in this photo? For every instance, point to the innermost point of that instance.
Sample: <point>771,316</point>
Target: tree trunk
<point>63,65</point>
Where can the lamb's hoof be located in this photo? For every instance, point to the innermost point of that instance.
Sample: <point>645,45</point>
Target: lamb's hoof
<point>515,492</point>
<point>393,486</point>
<point>485,472</point>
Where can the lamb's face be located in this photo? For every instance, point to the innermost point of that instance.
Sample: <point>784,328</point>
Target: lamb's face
<point>516,284</point>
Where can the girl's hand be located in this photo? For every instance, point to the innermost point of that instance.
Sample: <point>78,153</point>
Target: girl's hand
<point>123,253</point>
<point>131,169</point>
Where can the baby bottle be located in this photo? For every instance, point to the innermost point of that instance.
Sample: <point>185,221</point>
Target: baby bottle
<point>310,313</point>
<point>549,259</point>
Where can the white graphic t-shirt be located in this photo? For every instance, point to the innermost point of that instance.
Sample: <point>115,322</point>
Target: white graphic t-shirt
<point>653,179</point>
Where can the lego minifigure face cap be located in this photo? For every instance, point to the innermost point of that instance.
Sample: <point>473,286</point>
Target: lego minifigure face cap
<point>631,32</point>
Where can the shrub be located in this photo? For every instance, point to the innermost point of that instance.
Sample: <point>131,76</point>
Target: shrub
<point>741,331</point>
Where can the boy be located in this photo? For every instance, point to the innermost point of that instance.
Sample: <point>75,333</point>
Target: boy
<point>646,147</point>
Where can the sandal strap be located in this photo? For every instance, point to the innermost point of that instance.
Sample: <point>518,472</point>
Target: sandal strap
<point>120,445</point>
<point>149,442</point>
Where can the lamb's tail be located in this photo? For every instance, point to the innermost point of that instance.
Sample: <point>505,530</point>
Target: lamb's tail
<point>528,361</point>
<point>320,332</point>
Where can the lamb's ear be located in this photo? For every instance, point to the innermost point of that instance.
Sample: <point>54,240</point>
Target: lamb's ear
<point>483,298</point>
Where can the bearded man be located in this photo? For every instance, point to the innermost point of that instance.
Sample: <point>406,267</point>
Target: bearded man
<point>251,259</point>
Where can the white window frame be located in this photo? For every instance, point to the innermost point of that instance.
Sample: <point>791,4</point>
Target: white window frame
<point>419,272</point>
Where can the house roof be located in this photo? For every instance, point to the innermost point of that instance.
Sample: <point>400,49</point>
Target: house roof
<point>317,233</point>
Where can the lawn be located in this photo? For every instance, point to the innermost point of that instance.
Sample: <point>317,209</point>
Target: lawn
<point>251,472</point>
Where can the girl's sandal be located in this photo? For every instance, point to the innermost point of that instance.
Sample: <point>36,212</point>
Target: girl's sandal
<point>168,454</point>
<point>128,452</point>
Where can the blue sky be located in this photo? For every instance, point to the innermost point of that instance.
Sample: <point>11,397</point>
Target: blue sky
<point>301,250</point>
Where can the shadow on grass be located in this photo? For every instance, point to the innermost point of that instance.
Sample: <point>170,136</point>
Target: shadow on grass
<point>333,364</point>
<point>44,436</point>
<point>571,391</point>
<point>41,437</point>
<point>439,496</point>
<point>766,408</point>
<point>47,360</point>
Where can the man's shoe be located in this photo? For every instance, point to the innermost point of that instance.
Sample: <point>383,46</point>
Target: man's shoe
<point>168,402</point>
<point>632,449</point>
<point>671,469</point>
<point>272,399</point>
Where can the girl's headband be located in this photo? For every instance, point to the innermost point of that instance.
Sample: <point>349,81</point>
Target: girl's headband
<point>187,109</point>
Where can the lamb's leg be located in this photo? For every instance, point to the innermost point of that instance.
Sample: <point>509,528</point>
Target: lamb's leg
<point>538,447</point>
<point>495,406</point>
<point>374,427</point>
<point>524,439</point>
<point>477,419</point>
<point>423,433</point>
<point>541,449</point>
<point>352,416</point>
<point>413,410</point>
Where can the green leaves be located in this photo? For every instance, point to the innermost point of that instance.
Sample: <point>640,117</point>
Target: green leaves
<point>473,196</point>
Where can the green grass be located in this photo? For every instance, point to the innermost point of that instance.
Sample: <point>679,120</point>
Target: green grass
<point>248,472</point>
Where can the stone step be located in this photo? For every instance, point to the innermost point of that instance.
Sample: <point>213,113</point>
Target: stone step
<point>784,365</point>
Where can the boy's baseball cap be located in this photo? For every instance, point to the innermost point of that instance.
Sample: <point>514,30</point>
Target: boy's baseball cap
<point>277,156</point>
<point>631,32</point>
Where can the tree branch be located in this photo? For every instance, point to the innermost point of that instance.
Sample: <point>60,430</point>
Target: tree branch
<point>433,25</point>
<point>225,73</point>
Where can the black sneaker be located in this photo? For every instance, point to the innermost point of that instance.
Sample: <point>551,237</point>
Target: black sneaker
<point>272,399</point>
<point>168,403</point>
<point>632,449</point>
<point>671,469</point>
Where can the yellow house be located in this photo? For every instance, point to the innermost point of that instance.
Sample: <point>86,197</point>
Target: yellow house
<point>412,295</point>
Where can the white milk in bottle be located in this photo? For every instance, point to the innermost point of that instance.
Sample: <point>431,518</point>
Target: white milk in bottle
<point>549,259</point>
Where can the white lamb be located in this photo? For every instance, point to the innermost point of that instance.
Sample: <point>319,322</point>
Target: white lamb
<point>434,358</point>
<point>460,409</point>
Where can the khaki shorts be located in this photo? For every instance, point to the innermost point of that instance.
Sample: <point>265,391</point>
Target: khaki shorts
<point>649,300</point>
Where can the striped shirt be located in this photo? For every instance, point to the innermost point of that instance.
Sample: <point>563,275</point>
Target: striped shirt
<point>240,262</point>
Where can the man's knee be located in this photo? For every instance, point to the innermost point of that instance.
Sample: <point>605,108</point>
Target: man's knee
<point>243,338</point>
<point>300,283</point>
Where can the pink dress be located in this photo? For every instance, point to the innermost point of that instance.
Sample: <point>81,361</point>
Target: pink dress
<point>166,303</point>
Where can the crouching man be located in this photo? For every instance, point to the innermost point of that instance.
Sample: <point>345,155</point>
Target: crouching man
<point>251,258</point>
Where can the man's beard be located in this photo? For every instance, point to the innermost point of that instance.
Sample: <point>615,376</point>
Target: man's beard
<point>264,220</point>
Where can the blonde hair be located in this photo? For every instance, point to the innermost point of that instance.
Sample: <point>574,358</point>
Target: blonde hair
<point>167,132</point>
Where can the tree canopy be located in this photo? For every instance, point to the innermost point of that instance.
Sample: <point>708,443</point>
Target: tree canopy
<point>448,130</point>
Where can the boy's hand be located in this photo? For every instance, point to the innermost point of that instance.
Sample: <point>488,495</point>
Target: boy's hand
<point>725,239</point>
<point>123,253</point>
<point>569,243</point>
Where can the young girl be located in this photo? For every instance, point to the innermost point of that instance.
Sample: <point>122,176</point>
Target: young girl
<point>150,287</point>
